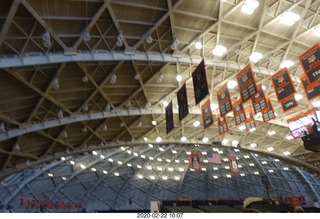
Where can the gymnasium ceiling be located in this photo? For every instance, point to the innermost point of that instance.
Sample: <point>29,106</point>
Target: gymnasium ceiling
<point>61,96</point>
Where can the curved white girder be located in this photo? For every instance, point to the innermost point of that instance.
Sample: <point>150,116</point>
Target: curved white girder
<point>41,59</point>
<point>32,127</point>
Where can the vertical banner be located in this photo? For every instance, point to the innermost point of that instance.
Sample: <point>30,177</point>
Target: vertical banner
<point>200,84</point>
<point>222,125</point>
<point>282,84</point>
<point>195,162</point>
<point>311,90</point>
<point>289,103</point>
<point>310,62</point>
<point>207,117</point>
<point>250,121</point>
<point>246,83</point>
<point>238,112</point>
<point>224,100</point>
<point>259,102</point>
<point>234,164</point>
<point>169,118</point>
<point>268,113</point>
<point>183,102</point>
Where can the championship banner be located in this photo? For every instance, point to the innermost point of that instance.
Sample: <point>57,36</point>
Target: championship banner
<point>311,90</point>
<point>169,118</point>
<point>310,62</point>
<point>289,103</point>
<point>268,113</point>
<point>250,121</point>
<point>195,162</point>
<point>282,84</point>
<point>207,116</point>
<point>238,112</point>
<point>259,102</point>
<point>246,83</point>
<point>224,100</point>
<point>234,164</point>
<point>200,84</point>
<point>222,125</point>
<point>183,102</point>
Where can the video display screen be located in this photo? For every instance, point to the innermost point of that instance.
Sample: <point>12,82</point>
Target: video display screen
<point>303,125</point>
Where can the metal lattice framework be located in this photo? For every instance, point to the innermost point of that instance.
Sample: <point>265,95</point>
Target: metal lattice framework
<point>83,75</point>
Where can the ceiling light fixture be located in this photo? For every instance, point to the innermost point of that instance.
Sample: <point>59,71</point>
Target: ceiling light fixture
<point>196,123</point>
<point>289,18</point>
<point>270,149</point>
<point>87,36</point>
<point>179,78</point>
<point>232,84</point>
<point>160,78</point>
<point>219,50</point>
<point>253,145</point>
<point>225,141</point>
<point>255,57</point>
<point>113,78</point>
<point>271,132</point>
<point>249,6</point>
<point>158,139</point>
<point>286,153</point>
<point>120,39</point>
<point>55,84</point>
<point>183,138</point>
<point>286,64</point>
<point>214,106</point>
<point>174,44</point>
<point>149,39</point>
<point>298,97</point>
<point>316,30</point>
<point>165,103</point>
<point>235,143</point>
<point>198,45</point>
<point>205,139</point>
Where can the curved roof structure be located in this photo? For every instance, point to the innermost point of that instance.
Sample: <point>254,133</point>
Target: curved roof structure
<point>84,75</point>
<point>126,178</point>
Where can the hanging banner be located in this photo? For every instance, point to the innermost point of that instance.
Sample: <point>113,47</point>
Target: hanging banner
<point>195,162</point>
<point>169,118</point>
<point>238,112</point>
<point>250,121</point>
<point>222,125</point>
<point>259,102</point>
<point>207,117</point>
<point>183,102</point>
<point>214,158</point>
<point>310,62</point>
<point>246,83</point>
<point>289,103</point>
<point>200,84</point>
<point>268,113</point>
<point>224,100</point>
<point>311,90</point>
<point>282,84</point>
<point>234,164</point>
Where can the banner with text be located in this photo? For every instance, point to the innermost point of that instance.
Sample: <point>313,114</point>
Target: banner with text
<point>200,84</point>
<point>207,117</point>
<point>250,121</point>
<point>289,103</point>
<point>311,90</point>
<point>238,112</point>
<point>268,113</point>
<point>169,118</point>
<point>310,62</point>
<point>222,125</point>
<point>246,83</point>
<point>282,84</point>
<point>183,102</point>
<point>259,102</point>
<point>224,100</point>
